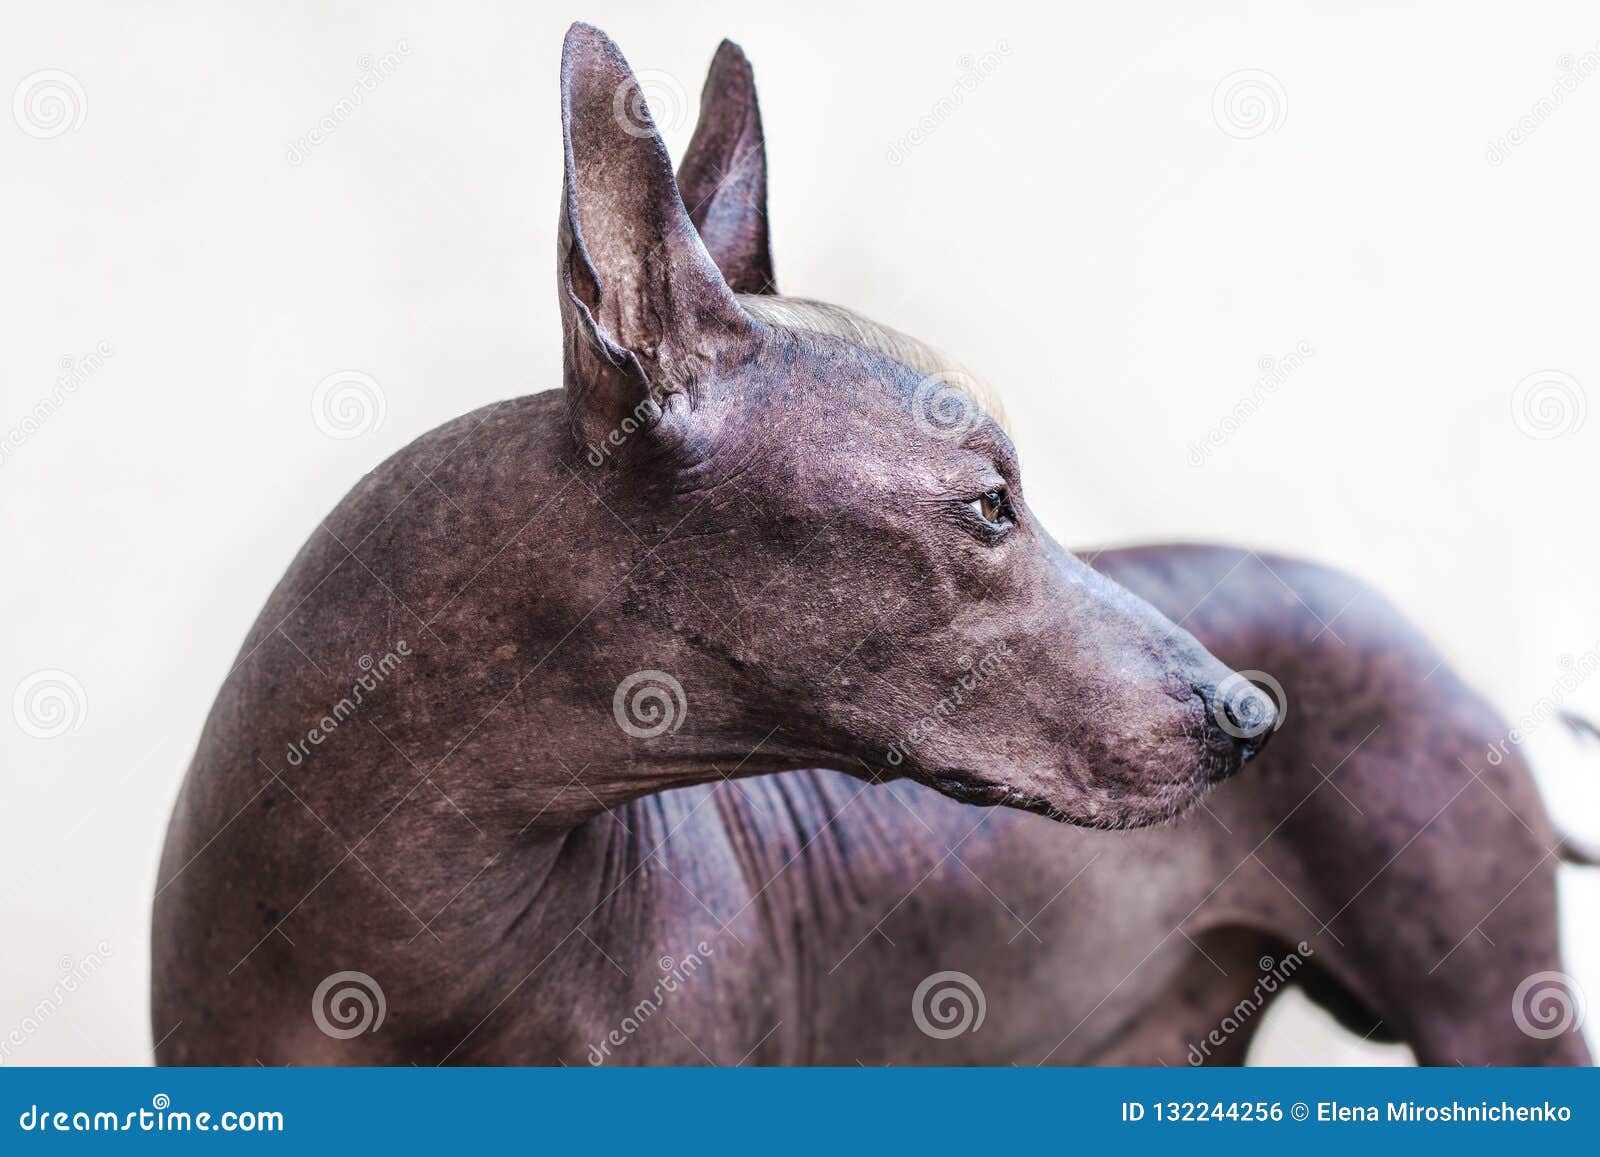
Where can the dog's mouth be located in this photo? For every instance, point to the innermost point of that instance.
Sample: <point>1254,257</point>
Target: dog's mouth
<point>966,787</point>
<point>1107,808</point>
<point>1227,754</point>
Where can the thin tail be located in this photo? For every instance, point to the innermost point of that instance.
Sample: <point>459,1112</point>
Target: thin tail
<point>1574,849</point>
<point>1579,725</point>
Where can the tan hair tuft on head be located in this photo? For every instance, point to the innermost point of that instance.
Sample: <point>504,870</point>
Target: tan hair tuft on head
<point>836,321</point>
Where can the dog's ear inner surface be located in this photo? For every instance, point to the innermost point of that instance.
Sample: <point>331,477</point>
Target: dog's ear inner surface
<point>640,295</point>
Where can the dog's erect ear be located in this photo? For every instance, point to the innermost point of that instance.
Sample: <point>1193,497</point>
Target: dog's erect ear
<point>643,304</point>
<point>724,175</point>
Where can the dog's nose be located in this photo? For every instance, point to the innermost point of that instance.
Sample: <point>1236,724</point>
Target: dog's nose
<point>1251,713</point>
<point>1243,711</point>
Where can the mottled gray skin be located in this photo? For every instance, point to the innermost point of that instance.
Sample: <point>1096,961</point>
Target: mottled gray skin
<point>1432,863</point>
<point>466,863</point>
<point>757,516</point>
<point>826,900</point>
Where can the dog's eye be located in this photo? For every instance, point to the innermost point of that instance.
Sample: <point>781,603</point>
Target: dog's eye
<point>994,507</point>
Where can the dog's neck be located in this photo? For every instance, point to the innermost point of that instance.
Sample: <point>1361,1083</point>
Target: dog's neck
<point>479,613</point>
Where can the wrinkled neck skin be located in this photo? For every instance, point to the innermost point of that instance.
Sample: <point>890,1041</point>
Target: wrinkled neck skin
<point>524,587</point>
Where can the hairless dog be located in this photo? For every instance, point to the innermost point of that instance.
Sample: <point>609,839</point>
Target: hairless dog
<point>1393,830</point>
<point>724,548</point>
<point>512,767</point>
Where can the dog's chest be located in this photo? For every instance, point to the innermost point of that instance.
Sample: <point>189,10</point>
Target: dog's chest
<point>799,919</point>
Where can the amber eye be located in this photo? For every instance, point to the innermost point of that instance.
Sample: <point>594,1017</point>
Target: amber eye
<point>992,507</point>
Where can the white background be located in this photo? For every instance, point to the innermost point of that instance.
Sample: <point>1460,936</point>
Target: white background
<point>1086,229</point>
